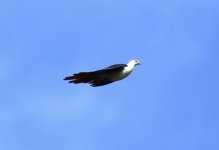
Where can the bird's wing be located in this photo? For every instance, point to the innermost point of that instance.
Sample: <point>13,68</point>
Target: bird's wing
<point>96,78</point>
<point>115,68</point>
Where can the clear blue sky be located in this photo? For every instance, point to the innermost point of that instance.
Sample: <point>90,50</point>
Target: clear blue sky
<point>170,102</point>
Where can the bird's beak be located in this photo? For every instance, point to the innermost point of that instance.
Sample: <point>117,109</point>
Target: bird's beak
<point>139,63</point>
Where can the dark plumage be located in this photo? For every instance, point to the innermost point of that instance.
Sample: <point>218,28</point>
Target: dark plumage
<point>95,78</point>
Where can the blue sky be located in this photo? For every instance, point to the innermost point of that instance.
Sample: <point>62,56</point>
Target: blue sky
<point>170,102</point>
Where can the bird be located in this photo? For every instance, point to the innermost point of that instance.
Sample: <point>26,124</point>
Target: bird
<point>104,76</point>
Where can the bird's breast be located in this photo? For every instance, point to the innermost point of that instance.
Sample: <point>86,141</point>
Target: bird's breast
<point>121,75</point>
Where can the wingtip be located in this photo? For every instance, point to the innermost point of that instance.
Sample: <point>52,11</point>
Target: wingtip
<point>66,78</point>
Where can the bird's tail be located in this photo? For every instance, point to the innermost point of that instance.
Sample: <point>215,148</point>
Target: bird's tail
<point>82,77</point>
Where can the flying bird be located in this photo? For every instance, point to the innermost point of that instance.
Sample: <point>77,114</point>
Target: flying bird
<point>104,76</point>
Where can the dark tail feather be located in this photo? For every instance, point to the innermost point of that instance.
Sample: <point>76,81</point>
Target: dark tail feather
<point>82,77</point>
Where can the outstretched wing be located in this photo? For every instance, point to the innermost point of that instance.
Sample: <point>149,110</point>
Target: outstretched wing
<point>96,78</point>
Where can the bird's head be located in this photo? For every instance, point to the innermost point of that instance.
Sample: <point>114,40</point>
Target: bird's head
<point>135,62</point>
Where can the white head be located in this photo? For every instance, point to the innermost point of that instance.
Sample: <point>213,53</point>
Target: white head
<point>134,62</point>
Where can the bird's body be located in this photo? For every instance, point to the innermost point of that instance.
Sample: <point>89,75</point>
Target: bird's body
<point>105,76</point>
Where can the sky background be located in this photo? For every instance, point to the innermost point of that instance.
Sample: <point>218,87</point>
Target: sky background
<point>170,102</point>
